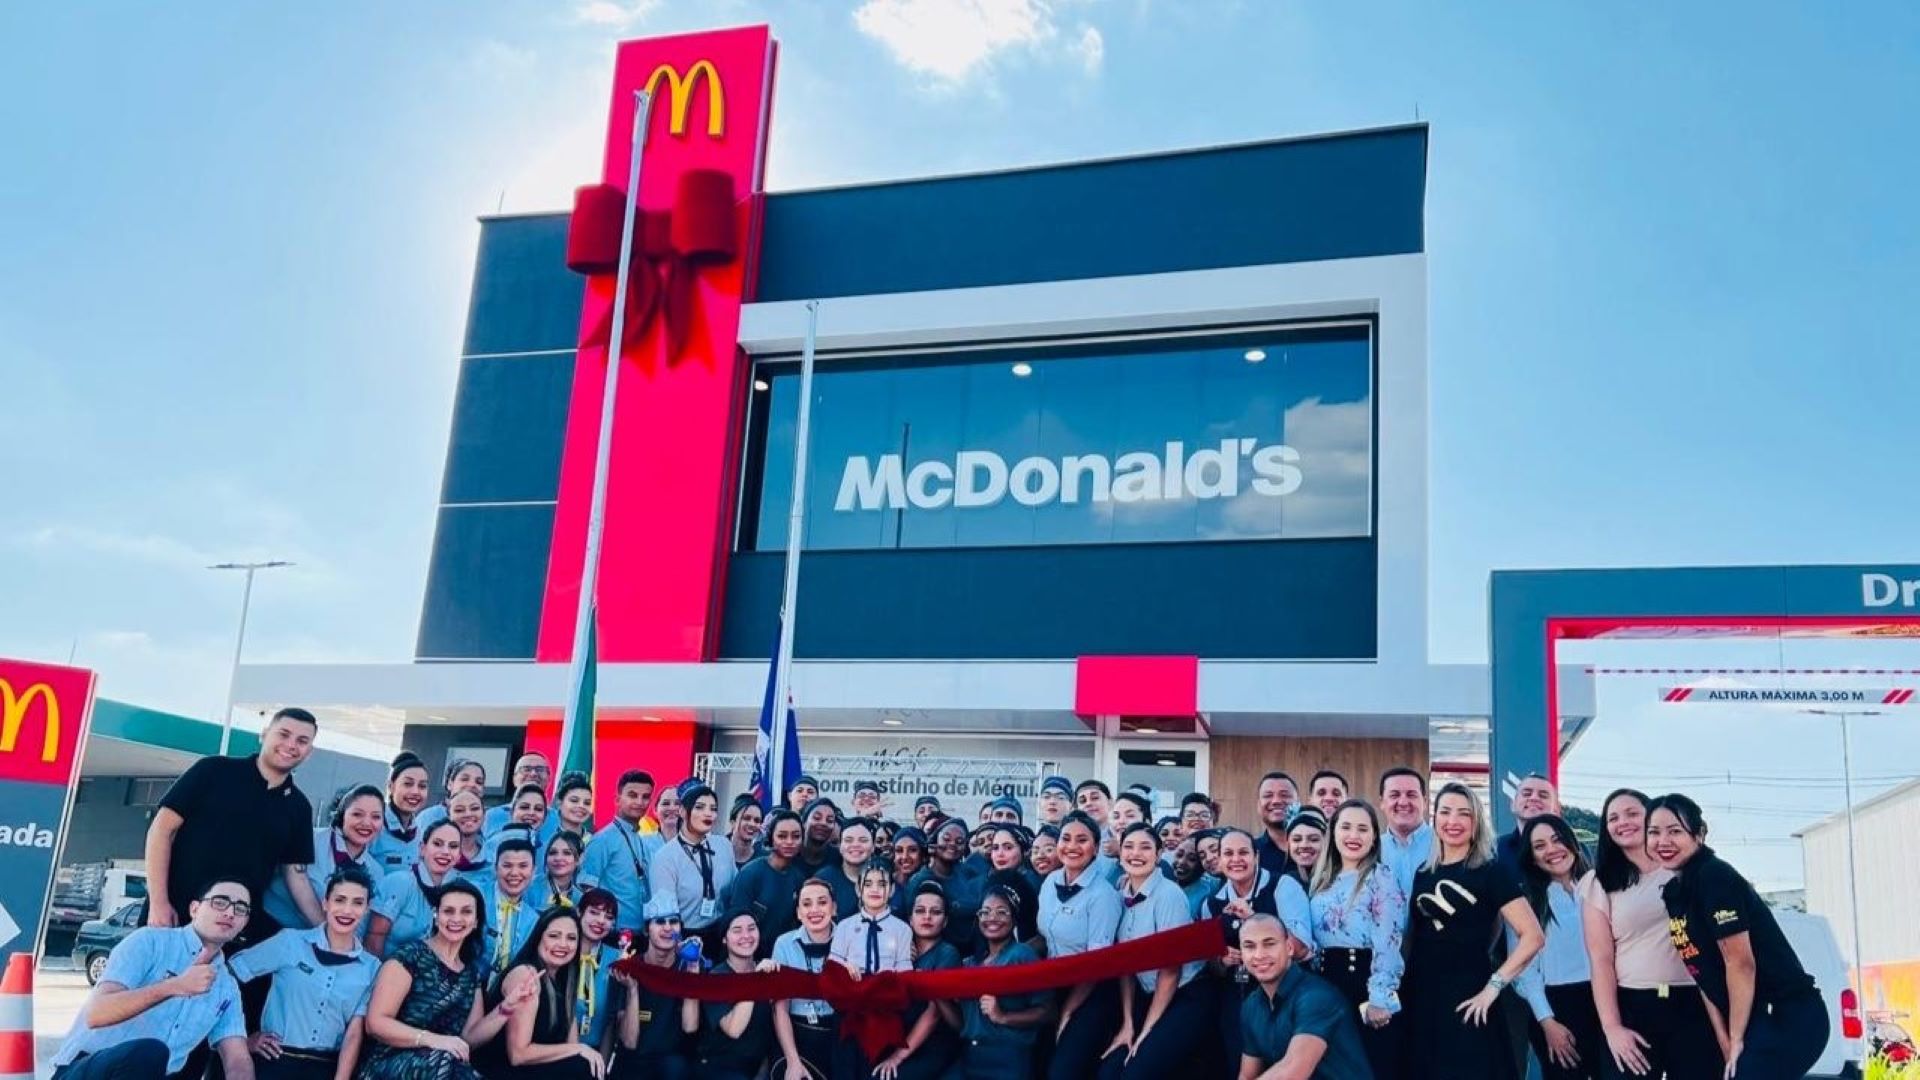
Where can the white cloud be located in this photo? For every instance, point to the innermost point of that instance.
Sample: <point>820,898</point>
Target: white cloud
<point>1090,49</point>
<point>951,41</point>
<point>611,13</point>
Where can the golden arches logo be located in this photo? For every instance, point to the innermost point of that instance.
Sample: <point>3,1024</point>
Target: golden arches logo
<point>680,95</point>
<point>13,713</point>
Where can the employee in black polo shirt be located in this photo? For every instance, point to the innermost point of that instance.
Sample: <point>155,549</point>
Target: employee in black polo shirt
<point>233,819</point>
<point>1296,1024</point>
<point>1765,1009</point>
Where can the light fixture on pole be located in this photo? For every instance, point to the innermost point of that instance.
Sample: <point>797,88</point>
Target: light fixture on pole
<point>240,639</point>
<point>1853,880</point>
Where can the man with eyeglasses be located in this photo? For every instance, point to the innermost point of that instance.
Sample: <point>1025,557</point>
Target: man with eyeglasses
<point>531,768</point>
<point>166,991</point>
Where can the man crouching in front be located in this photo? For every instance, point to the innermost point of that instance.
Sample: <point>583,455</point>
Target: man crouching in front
<point>1297,1025</point>
<point>166,990</point>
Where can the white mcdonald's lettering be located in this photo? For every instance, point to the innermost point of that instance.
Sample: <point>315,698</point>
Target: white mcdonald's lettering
<point>680,95</point>
<point>980,478</point>
<point>13,713</point>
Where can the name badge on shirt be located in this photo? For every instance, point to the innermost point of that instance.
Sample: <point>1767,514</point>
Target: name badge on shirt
<point>709,909</point>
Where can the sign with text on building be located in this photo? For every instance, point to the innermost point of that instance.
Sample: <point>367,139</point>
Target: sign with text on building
<point>1860,697</point>
<point>1258,436</point>
<point>44,712</point>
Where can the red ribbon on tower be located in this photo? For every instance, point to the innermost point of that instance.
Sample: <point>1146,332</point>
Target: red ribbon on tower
<point>670,248</point>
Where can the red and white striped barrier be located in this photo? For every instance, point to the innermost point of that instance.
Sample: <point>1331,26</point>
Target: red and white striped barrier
<point>16,1018</point>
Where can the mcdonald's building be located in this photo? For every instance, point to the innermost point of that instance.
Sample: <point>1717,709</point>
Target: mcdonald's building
<point>1115,467</point>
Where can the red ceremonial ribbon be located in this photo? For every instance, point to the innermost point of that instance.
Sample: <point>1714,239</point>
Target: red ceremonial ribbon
<point>870,1007</point>
<point>670,247</point>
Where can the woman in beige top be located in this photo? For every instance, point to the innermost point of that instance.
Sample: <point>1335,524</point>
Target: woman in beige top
<point>1654,1020</point>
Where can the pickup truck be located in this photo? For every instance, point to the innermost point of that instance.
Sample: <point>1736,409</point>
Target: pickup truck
<point>89,891</point>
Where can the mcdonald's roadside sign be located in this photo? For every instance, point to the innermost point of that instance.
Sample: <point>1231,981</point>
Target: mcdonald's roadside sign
<point>44,711</point>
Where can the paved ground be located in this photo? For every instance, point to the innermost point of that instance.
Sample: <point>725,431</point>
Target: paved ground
<point>58,991</point>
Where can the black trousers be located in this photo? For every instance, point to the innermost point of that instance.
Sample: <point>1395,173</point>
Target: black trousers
<point>1168,1049</point>
<point>1680,1039</point>
<point>817,1044</point>
<point>1784,1038</point>
<point>1573,1006</point>
<point>1076,1053</point>
<point>1222,1053</point>
<point>628,1065</point>
<point>567,1068</point>
<point>980,1060</point>
<point>137,1059</point>
<point>1348,970</point>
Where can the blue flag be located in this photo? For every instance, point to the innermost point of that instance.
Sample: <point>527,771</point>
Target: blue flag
<point>763,742</point>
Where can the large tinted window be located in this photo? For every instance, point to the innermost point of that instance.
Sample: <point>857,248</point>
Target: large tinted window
<point>1255,435</point>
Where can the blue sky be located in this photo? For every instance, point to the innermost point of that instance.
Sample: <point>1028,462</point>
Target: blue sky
<point>1673,264</point>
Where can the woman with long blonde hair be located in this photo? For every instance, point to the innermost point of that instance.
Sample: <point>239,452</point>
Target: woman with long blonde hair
<point>1461,899</point>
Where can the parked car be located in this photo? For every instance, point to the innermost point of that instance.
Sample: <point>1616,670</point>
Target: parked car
<point>1812,939</point>
<point>97,937</point>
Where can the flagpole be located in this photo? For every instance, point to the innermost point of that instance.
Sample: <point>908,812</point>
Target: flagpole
<point>603,451</point>
<point>790,596</point>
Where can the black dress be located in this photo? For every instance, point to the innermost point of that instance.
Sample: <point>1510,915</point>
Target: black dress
<point>439,1001</point>
<point>1451,929</point>
<point>552,1026</point>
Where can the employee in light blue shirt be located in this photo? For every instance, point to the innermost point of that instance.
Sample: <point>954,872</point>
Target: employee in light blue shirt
<point>398,844</point>
<point>1558,984</point>
<point>165,991</point>
<point>692,870</point>
<point>616,856</point>
<point>511,912</point>
<point>531,770</point>
<point>1079,912</point>
<point>1162,1013</point>
<point>1407,841</point>
<point>294,896</point>
<point>463,774</point>
<point>402,900</point>
<point>807,1030</point>
<point>312,1026</point>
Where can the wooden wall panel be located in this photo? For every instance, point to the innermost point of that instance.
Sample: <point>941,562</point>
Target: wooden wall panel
<point>1238,762</point>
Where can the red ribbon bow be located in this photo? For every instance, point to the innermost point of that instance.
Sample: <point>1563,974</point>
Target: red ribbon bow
<point>869,1008</point>
<point>670,247</point>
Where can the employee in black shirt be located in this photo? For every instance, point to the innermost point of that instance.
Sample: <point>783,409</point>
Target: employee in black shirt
<point>233,819</point>
<point>1763,1004</point>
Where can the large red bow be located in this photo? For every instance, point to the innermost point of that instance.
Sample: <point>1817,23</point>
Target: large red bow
<point>670,247</point>
<point>870,1008</point>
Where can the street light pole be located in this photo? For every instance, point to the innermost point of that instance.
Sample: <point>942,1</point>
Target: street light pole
<point>240,640</point>
<point>1853,879</point>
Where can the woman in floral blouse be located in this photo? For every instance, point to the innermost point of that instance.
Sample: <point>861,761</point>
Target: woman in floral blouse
<point>1359,914</point>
